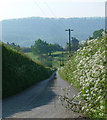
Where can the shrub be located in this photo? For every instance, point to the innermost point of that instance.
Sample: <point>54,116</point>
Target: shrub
<point>20,72</point>
<point>86,70</point>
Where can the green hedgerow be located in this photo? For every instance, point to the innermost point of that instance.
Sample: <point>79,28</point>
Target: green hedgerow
<point>86,70</point>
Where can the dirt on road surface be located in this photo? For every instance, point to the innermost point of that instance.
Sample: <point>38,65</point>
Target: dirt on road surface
<point>39,101</point>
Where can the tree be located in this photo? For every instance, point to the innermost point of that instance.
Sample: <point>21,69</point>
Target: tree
<point>57,47</point>
<point>14,46</point>
<point>54,47</point>
<point>97,33</point>
<point>74,44</point>
<point>51,48</point>
<point>90,38</point>
<point>40,47</point>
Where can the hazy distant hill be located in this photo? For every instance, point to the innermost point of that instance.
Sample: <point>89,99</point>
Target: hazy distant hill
<point>25,31</point>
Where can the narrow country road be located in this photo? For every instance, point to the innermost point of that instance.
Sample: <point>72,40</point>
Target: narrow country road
<point>39,101</point>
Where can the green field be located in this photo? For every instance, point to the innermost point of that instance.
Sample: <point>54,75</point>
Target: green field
<point>32,56</point>
<point>56,57</point>
<point>59,52</point>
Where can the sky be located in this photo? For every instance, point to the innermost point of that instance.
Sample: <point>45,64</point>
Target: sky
<point>10,9</point>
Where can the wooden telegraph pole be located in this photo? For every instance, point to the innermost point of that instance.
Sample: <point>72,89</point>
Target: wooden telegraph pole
<point>69,41</point>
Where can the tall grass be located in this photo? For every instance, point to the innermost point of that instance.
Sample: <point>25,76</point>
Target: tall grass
<point>19,72</point>
<point>86,70</point>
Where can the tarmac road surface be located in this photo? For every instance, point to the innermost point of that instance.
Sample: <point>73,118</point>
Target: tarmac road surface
<point>39,101</point>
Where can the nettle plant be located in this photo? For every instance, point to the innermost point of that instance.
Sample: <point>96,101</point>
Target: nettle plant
<point>87,71</point>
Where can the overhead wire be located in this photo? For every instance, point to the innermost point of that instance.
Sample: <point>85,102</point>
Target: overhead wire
<point>55,23</point>
<point>36,3</point>
<point>44,12</point>
<point>53,13</point>
<point>39,7</point>
<point>50,11</point>
<point>55,16</point>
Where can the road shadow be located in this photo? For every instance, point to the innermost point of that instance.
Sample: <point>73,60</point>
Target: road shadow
<point>22,105</point>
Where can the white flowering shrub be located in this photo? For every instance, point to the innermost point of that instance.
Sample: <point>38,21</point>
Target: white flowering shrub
<point>86,70</point>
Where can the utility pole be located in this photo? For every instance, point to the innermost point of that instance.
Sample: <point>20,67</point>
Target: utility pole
<point>62,59</point>
<point>69,41</point>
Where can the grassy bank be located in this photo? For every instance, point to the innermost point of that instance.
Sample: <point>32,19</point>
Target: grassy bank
<point>20,72</point>
<point>86,70</point>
